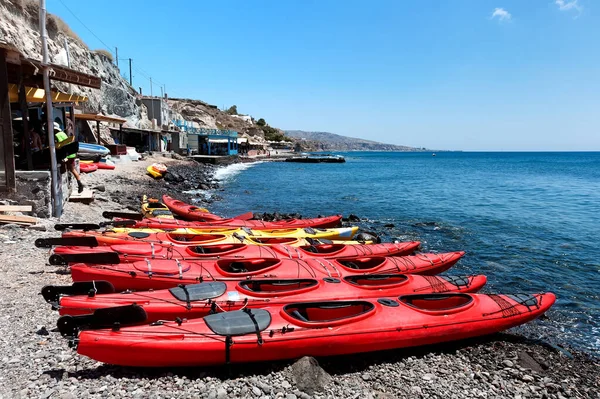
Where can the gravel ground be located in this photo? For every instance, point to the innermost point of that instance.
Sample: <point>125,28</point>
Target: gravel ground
<point>37,363</point>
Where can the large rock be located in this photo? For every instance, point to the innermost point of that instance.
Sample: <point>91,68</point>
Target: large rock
<point>309,376</point>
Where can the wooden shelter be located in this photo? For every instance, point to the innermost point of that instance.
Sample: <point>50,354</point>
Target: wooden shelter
<point>21,79</point>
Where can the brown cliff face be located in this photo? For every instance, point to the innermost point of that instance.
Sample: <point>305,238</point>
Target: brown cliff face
<point>19,27</point>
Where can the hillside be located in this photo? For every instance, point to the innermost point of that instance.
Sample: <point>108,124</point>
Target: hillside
<point>323,141</point>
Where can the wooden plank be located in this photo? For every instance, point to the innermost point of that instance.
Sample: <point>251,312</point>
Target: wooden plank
<point>16,208</point>
<point>86,195</point>
<point>18,219</point>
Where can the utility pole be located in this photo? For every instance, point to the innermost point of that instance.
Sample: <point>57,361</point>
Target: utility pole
<point>162,93</point>
<point>55,178</point>
<point>117,56</point>
<point>130,80</point>
<point>150,87</point>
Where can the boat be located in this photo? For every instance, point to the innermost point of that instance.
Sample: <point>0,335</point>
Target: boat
<point>315,223</point>
<point>181,240</point>
<point>104,165</point>
<point>193,213</point>
<point>201,299</point>
<point>140,251</point>
<point>293,330</point>
<point>94,149</point>
<point>317,158</point>
<point>87,167</point>
<point>154,173</point>
<point>339,233</point>
<point>150,274</point>
<point>153,208</point>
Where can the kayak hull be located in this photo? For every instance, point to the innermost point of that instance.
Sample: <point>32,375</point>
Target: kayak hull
<point>164,305</point>
<point>171,239</point>
<point>139,251</point>
<point>312,329</point>
<point>160,274</point>
<point>193,213</point>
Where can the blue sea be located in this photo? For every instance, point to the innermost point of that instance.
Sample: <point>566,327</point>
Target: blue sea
<point>528,221</point>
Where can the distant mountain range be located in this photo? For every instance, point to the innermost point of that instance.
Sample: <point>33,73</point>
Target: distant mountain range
<point>323,141</point>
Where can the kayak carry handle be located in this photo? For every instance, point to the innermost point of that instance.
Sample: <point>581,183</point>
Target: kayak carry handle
<point>96,258</point>
<point>124,215</point>
<point>70,241</point>
<point>76,226</point>
<point>52,293</point>
<point>69,326</point>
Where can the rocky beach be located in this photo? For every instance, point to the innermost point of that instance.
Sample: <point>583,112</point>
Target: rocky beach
<point>38,363</point>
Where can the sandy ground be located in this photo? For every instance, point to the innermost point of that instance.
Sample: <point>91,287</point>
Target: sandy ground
<point>36,361</point>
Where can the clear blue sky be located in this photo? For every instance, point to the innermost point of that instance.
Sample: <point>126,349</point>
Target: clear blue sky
<point>469,75</point>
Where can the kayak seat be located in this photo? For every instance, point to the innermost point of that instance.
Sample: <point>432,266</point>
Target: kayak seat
<point>376,280</point>
<point>239,322</point>
<point>437,302</point>
<point>217,249</point>
<point>247,265</point>
<point>199,292</point>
<point>327,312</point>
<point>194,237</point>
<point>156,205</point>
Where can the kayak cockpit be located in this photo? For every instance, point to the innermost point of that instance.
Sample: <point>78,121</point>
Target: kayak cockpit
<point>246,266</point>
<point>362,263</point>
<point>277,287</point>
<point>321,314</point>
<point>438,303</point>
<point>186,238</point>
<point>375,281</point>
<point>215,250</point>
<point>323,248</point>
<point>272,240</point>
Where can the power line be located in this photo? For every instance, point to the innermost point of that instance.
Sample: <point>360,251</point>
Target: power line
<point>85,26</point>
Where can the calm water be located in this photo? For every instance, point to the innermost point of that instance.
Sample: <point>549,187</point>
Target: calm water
<point>529,221</point>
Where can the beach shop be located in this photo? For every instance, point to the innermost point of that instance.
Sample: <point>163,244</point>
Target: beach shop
<point>28,167</point>
<point>203,141</point>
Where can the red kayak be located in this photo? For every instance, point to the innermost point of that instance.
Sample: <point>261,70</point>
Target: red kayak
<point>299,329</point>
<point>87,167</point>
<point>159,274</point>
<point>202,299</point>
<point>195,214</point>
<point>139,251</point>
<point>104,165</point>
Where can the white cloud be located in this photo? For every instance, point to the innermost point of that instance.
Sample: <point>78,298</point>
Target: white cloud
<point>501,14</point>
<point>568,5</point>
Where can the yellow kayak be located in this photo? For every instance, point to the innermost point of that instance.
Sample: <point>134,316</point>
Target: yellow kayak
<point>153,172</point>
<point>341,233</point>
<point>152,208</point>
<point>182,240</point>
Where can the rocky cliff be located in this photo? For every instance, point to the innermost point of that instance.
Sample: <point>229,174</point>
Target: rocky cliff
<point>323,141</point>
<point>19,21</point>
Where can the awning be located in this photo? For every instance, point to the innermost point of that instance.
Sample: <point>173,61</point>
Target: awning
<point>217,141</point>
<point>36,95</point>
<point>100,118</point>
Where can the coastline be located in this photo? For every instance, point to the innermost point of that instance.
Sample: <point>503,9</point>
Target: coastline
<point>37,361</point>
